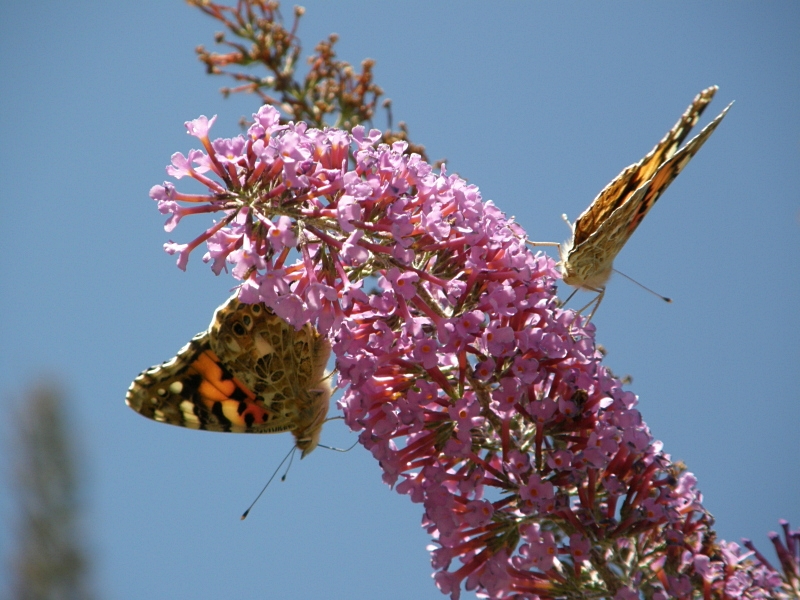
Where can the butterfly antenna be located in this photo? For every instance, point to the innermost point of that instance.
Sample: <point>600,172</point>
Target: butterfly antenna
<point>289,466</point>
<point>644,287</point>
<point>247,512</point>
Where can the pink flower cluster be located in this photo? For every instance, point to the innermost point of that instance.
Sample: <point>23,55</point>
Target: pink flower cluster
<point>480,397</point>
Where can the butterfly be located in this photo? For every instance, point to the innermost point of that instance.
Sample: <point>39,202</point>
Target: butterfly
<point>600,232</point>
<point>250,372</point>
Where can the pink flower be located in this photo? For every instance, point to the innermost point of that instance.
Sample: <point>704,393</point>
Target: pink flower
<point>579,547</point>
<point>461,372</point>
<point>403,283</point>
<point>479,512</point>
<point>200,126</point>
<point>535,494</point>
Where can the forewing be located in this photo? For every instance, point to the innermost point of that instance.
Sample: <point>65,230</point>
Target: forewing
<point>614,232</point>
<point>622,187</point>
<point>197,391</point>
<point>251,372</point>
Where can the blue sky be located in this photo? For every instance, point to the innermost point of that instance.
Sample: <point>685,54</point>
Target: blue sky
<point>540,105</point>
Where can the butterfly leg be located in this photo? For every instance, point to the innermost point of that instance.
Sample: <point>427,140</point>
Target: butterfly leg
<point>596,301</point>
<point>530,243</point>
<point>565,302</point>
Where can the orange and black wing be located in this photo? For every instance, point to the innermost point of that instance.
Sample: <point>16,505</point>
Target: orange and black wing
<point>623,221</point>
<point>196,390</point>
<point>624,185</point>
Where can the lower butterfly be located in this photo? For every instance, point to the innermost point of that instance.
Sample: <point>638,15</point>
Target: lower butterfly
<point>600,232</point>
<point>250,372</point>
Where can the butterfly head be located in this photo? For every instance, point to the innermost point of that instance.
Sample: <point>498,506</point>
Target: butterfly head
<point>308,442</point>
<point>307,435</point>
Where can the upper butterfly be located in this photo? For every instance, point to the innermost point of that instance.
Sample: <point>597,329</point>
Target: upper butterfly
<point>250,372</point>
<point>601,231</point>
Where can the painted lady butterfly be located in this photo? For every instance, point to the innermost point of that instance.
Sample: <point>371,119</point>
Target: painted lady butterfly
<point>602,229</point>
<point>250,372</point>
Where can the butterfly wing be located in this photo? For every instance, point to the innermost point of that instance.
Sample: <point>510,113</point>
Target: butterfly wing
<point>284,367</point>
<point>618,210</point>
<point>197,391</point>
<point>251,372</point>
<point>635,209</point>
<point>624,185</point>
